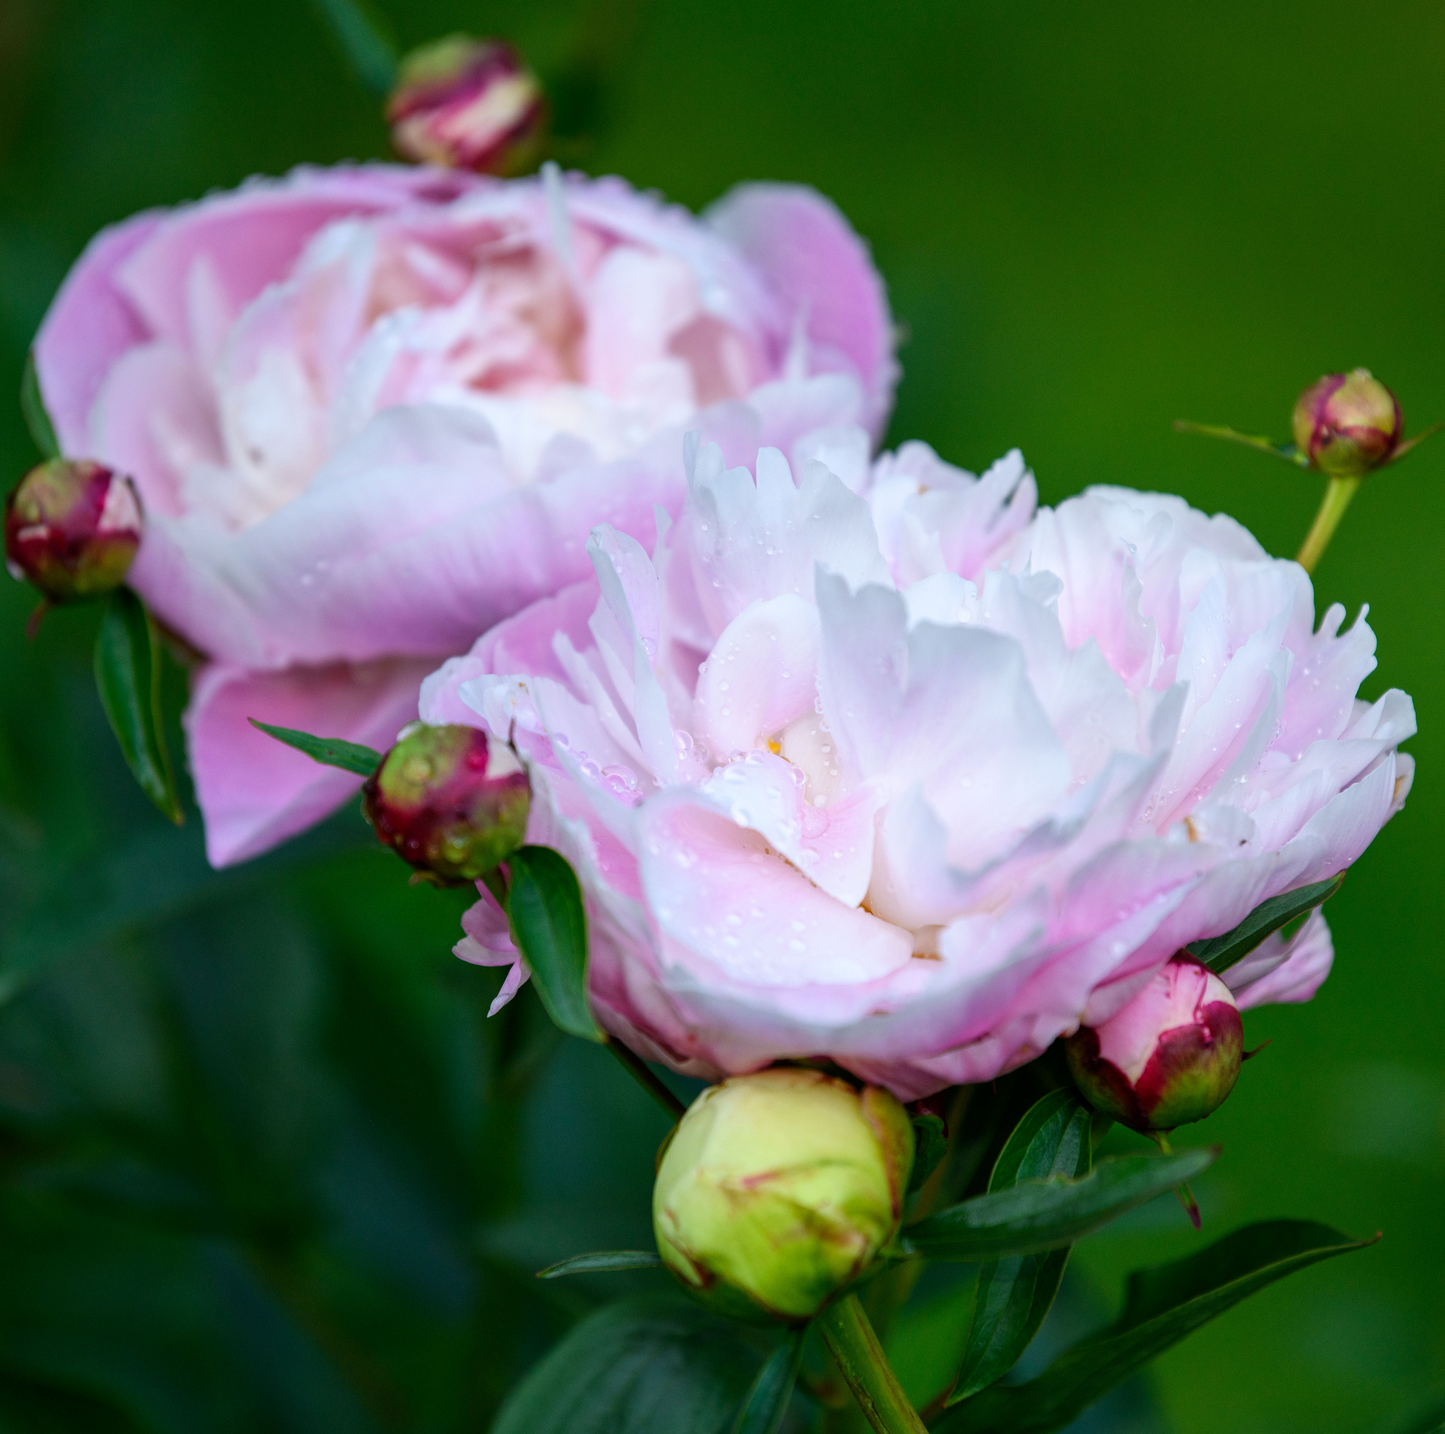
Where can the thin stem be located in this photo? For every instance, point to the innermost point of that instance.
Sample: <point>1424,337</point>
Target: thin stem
<point>1182,1191</point>
<point>865,1367</point>
<point>644,1075</point>
<point>1336,500</point>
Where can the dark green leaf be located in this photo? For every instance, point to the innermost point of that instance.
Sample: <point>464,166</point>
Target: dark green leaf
<point>544,905</point>
<point>1219,953</point>
<point>1162,1306</point>
<point>329,751</point>
<point>128,677</point>
<point>601,1261</point>
<point>366,41</point>
<point>766,1406</point>
<point>1014,1295</point>
<point>653,1366</point>
<point>930,1145</point>
<point>1048,1214</point>
<point>32,405</point>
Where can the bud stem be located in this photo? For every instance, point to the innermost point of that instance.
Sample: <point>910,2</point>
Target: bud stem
<point>1184,1193</point>
<point>1332,509</point>
<point>644,1075</point>
<point>865,1367</point>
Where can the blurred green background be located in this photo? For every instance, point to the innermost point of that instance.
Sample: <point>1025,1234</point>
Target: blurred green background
<point>264,1164</point>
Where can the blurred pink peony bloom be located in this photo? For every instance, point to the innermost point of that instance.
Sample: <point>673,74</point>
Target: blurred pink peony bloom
<point>919,780</point>
<point>373,410</point>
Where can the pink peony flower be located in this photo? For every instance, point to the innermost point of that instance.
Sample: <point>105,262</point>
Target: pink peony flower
<point>920,781</point>
<point>373,410</point>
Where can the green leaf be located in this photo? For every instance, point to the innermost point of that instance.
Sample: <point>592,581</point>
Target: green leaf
<point>655,1366</point>
<point>366,40</point>
<point>32,405</point>
<point>1161,1307</point>
<point>1219,953</point>
<point>128,678</point>
<point>544,906</point>
<point>1040,1215</point>
<point>329,751</point>
<point>930,1145</point>
<point>766,1404</point>
<point>1014,1295</point>
<point>601,1261</point>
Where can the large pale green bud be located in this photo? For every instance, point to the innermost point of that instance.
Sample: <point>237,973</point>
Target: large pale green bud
<point>778,1190</point>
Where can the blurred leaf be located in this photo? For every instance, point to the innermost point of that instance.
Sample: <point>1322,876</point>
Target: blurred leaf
<point>1014,1295</point>
<point>766,1404</point>
<point>128,678</point>
<point>1219,953</point>
<point>1046,1214</point>
<point>650,1366</point>
<point>32,405</point>
<point>1161,1307</point>
<point>366,40</point>
<point>930,1145</point>
<point>329,751</point>
<point>544,906</point>
<point>600,1261</point>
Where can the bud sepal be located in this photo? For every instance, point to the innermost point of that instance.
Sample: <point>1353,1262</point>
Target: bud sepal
<point>779,1190</point>
<point>450,801</point>
<point>1170,1057</point>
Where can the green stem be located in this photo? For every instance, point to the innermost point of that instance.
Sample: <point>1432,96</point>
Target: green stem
<point>646,1077</point>
<point>865,1367</point>
<point>1336,500</point>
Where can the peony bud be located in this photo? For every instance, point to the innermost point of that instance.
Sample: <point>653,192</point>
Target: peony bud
<point>778,1190</point>
<point>72,528</point>
<point>1348,424</point>
<point>1169,1057</point>
<point>451,802</point>
<point>468,104</point>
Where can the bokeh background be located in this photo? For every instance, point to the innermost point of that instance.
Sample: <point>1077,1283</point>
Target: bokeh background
<point>264,1164</point>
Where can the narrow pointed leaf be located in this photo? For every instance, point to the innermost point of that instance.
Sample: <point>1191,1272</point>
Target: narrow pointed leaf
<point>602,1262</point>
<point>930,1145</point>
<point>1043,1215</point>
<point>1162,1306</point>
<point>1219,953</point>
<point>544,906</point>
<point>1287,451</point>
<point>329,751</point>
<point>1012,1296</point>
<point>766,1405</point>
<point>32,405</point>
<point>366,40</point>
<point>128,678</point>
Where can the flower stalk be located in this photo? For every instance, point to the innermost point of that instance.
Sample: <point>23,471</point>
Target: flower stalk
<point>865,1368</point>
<point>1337,498</point>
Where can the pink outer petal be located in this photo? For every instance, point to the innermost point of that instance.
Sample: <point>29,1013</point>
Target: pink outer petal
<point>255,791</point>
<point>90,324</point>
<point>1285,971</point>
<point>823,275</point>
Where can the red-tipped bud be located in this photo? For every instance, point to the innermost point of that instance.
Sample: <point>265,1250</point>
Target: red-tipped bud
<point>72,528</point>
<point>450,802</point>
<point>468,104</point>
<point>1170,1056</point>
<point>1348,424</point>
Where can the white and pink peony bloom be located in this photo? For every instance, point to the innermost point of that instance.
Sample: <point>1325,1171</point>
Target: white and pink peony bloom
<point>920,780</point>
<point>373,410</point>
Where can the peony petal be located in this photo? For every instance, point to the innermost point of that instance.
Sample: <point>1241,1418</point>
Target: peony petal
<point>255,791</point>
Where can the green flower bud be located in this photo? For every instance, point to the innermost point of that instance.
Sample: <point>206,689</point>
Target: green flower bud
<point>1348,424</point>
<point>1169,1057</point>
<point>450,802</point>
<point>779,1189</point>
<point>72,528</point>
<point>468,104</point>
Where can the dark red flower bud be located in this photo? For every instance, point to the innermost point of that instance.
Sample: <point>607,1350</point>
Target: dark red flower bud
<point>449,801</point>
<point>1348,424</point>
<point>1170,1056</point>
<point>72,528</point>
<point>468,104</point>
